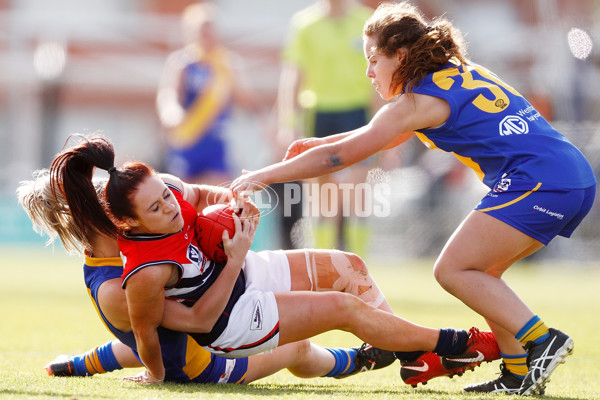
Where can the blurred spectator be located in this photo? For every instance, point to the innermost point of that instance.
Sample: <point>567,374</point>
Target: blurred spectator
<point>323,91</point>
<point>197,91</point>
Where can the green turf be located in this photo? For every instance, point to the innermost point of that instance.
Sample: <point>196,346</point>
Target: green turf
<point>45,311</point>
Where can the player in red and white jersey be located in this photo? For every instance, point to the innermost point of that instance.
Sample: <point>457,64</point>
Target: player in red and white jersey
<point>193,272</point>
<point>185,361</point>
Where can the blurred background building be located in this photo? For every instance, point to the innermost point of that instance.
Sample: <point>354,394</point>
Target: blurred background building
<point>82,66</point>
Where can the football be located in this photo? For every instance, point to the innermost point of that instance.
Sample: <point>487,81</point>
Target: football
<point>211,223</point>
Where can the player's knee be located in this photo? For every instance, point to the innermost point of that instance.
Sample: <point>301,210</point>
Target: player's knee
<point>343,272</point>
<point>347,307</point>
<point>303,348</point>
<point>448,275</point>
<point>441,273</point>
<point>305,360</point>
<point>362,283</point>
<point>357,263</point>
<point>352,272</point>
<point>354,309</point>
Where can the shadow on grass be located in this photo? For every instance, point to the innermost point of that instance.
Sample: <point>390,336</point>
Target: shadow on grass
<point>304,389</point>
<point>15,393</point>
<point>280,390</point>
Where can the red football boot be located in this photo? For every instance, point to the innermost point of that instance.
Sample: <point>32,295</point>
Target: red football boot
<point>481,346</point>
<point>429,366</point>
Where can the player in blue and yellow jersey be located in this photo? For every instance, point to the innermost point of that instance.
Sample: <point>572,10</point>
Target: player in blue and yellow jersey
<point>184,360</point>
<point>540,184</point>
<point>197,91</point>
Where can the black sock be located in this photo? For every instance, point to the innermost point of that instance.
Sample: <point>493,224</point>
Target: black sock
<point>451,341</point>
<point>408,355</point>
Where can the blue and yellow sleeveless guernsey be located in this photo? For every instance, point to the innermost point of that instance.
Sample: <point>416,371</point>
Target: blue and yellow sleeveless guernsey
<point>197,273</point>
<point>207,86</point>
<point>496,132</point>
<point>197,144</point>
<point>185,361</point>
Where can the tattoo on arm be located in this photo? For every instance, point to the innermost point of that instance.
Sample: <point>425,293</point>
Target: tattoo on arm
<point>335,161</point>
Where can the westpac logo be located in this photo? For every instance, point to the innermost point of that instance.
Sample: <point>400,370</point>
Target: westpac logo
<point>513,124</point>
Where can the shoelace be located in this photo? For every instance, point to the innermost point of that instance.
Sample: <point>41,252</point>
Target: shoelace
<point>481,336</point>
<point>502,369</point>
<point>363,347</point>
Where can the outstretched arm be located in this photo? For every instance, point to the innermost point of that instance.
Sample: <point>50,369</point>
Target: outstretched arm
<point>392,125</point>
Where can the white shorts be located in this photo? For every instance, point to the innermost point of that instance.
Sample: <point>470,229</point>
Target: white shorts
<point>253,326</point>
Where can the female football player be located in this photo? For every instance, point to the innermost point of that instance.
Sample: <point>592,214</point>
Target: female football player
<point>252,303</point>
<point>540,184</point>
<point>184,360</point>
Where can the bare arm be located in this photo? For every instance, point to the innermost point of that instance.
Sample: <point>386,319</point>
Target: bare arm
<point>201,318</point>
<point>393,124</point>
<point>145,301</point>
<point>199,196</point>
<point>207,310</point>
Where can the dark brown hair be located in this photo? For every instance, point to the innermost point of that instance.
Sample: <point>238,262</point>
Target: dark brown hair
<point>428,44</point>
<point>121,187</point>
<point>71,174</point>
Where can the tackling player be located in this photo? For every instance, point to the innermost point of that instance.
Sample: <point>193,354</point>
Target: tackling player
<point>184,360</point>
<point>540,184</point>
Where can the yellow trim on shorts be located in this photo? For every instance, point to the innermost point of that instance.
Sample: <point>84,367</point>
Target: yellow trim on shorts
<point>242,379</point>
<point>514,200</point>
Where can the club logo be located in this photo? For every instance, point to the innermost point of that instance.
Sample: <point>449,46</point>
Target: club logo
<point>193,253</point>
<point>513,124</point>
<point>503,185</point>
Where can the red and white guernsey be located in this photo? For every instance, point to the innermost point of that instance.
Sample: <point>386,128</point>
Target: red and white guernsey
<point>197,273</point>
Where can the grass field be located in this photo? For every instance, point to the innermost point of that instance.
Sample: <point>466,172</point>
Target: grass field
<point>45,311</point>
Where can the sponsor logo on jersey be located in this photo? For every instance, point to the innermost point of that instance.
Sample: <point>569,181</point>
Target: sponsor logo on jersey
<point>544,210</point>
<point>513,124</point>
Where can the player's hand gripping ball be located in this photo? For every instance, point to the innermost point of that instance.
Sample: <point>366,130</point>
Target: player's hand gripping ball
<point>211,223</point>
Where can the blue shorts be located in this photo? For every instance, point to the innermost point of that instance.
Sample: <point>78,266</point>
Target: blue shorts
<point>224,370</point>
<point>206,155</point>
<point>539,211</point>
